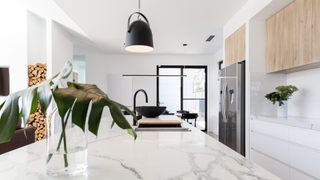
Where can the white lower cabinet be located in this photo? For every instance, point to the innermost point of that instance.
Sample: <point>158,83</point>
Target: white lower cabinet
<point>271,129</point>
<point>273,147</point>
<point>296,175</point>
<point>308,138</point>
<point>292,154</point>
<point>305,159</point>
<point>275,167</point>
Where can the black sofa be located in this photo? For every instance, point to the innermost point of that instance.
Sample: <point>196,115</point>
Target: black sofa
<point>19,139</point>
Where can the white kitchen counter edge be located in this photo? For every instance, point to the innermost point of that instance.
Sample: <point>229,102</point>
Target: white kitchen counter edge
<point>306,123</point>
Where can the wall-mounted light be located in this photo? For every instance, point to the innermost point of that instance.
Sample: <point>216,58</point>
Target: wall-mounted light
<point>139,35</point>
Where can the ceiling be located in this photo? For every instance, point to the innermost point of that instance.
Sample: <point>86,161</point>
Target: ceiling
<point>173,23</point>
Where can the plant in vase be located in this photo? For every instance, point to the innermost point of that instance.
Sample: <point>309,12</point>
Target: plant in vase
<point>72,103</point>
<point>282,95</point>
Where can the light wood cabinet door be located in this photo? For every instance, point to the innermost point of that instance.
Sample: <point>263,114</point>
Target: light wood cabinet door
<point>235,46</point>
<point>293,38</point>
<point>303,32</point>
<point>275,44</point>
<point>270,50</point>
<point>291,54</point>
<point>227,52</point>
<point>315,31</point>
<point>241,33</point>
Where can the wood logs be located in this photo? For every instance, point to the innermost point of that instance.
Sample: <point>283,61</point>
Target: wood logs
<point>38,74</point>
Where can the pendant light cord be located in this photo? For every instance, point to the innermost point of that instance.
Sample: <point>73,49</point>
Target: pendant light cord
<point>139,11</point>
<point>184,48</point>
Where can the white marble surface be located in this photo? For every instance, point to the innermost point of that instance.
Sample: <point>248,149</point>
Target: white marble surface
<point>153,156</point>
<point>301,122</point>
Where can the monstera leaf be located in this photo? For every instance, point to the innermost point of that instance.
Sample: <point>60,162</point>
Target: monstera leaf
<point>9,109</point>
<point>77,97</point>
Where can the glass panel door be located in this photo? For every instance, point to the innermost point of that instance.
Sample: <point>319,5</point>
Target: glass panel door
<point>184,93</point>
<point>169,89</point>
<point>194,94</point>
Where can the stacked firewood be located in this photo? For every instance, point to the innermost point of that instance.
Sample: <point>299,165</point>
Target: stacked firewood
<point>38,74</point>
<point>38,121</point>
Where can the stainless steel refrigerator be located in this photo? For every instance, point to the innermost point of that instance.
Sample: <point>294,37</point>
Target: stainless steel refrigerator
<point>232,107</point>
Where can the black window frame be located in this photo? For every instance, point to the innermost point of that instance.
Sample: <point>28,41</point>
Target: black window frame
<point>181,86</point>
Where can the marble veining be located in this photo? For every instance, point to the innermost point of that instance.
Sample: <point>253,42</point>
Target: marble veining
<point>153,156</point>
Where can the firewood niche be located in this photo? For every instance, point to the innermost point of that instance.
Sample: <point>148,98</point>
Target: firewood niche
<point>38,74</point>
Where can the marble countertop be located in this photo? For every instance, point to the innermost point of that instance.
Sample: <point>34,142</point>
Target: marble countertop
<point>153,156</point>
<point>301,122</point>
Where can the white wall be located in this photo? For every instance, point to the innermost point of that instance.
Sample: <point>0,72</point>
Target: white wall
<point>305,102</point>
<point>22,35</point>
<point>98,65</point>
<point>13,45</point>
<point>249,10</point>
<point>79,66</point>
<point>36,35</point>
<point>59,48</point>
<point>214,92</point>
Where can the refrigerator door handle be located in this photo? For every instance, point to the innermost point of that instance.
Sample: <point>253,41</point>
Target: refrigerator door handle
<point>224,102</point>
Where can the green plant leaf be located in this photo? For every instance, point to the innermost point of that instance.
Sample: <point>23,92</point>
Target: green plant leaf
<point>83,94</point>
<point>44,96</point>
<point>10,110</point>
<point>112,124</point>
<point>127,110</point>
<point>10,114</point>
<point>283,93</point>
<point>2,105</point>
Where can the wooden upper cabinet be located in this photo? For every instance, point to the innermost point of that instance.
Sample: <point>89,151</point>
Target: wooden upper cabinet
<point>270,41</point>
<point>275,44</point>
<point>293,37</point>
<point>227,52</point>
<point>315,31</point>
<point>291,51</point>
<point>242,43</point>
<point>235,46</point>
<point>303,31</point>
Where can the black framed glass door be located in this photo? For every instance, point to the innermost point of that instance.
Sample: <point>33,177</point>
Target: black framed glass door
<point>184,93</point>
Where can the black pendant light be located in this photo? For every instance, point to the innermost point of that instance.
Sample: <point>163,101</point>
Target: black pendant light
<point>139,36</point>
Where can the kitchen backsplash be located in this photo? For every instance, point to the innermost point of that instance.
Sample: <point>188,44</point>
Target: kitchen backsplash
<point>305,102</point>
<point>262,84</point>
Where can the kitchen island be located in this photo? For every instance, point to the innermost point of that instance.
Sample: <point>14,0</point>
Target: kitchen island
<point>153,156</point>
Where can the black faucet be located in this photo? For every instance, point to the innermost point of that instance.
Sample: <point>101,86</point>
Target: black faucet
<point>134,103</point>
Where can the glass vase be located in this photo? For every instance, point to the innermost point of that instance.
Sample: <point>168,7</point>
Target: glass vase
<point>67,146</point>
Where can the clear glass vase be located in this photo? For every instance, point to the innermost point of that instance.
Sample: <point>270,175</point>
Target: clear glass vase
<point>67,146</point>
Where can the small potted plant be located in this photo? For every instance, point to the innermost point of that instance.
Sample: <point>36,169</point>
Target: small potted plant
<point>282,95</point>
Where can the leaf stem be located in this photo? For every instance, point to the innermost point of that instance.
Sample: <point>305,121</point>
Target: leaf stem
<point>63,135</point>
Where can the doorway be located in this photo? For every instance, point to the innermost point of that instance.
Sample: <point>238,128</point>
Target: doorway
<point>184,93</point>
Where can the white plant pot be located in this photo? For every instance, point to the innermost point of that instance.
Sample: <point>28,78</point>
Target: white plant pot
<point>282,111</point>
